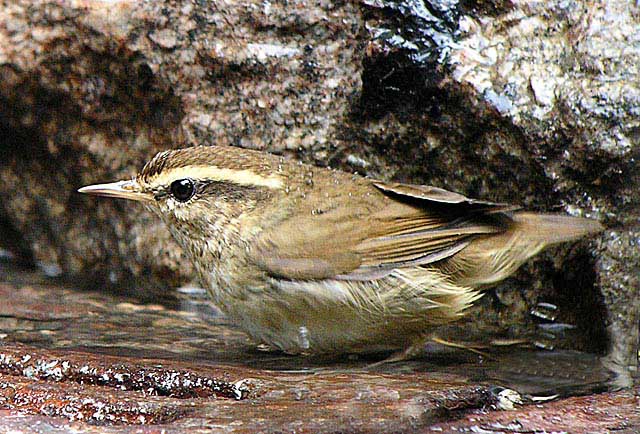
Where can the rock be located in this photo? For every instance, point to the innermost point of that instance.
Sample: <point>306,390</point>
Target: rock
<point>91,361</point>
<point>89,390</point>
<point>606,412</point>
<point>533,104</point>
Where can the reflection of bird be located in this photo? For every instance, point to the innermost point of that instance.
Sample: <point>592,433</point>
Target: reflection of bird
<point>316,260</point>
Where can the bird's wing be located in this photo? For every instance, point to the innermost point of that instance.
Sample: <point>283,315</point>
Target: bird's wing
<point>437,195</point>
<point>407,226</point>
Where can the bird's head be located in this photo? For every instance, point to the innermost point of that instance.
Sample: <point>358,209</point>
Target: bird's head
<point>196,190</point>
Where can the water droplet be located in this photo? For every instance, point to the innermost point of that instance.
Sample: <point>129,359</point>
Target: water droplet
<point>303,336</point>
<point>50,269</point>
<point>543,345</point>
<point>545,311</point>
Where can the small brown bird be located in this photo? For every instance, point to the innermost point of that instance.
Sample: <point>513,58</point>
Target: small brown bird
<point>307,259</point>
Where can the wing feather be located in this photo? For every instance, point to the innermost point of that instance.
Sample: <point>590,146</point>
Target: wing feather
<point>400,226</point>
<point>439,195</point>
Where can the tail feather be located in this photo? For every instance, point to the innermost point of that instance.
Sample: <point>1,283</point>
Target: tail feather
<point>489,259</point>
<point>554,228</point>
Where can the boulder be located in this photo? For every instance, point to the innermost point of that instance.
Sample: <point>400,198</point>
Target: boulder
<point>530,103</point>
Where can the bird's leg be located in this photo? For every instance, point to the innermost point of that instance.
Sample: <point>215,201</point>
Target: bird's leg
<point>417,349</point>
<point>408,353</point>
<point>474,348</point>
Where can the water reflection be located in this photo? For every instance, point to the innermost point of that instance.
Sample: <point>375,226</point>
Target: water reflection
<point>49,313</point>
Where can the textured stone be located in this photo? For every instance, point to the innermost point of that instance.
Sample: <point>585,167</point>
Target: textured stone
<point>91,361</point>
<point>608,412</point>
<point>530,103</point>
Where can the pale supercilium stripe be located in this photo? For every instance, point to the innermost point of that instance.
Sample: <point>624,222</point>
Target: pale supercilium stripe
<point>213,173</point>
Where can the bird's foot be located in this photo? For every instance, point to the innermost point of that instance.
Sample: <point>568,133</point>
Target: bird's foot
<point>419,349</point>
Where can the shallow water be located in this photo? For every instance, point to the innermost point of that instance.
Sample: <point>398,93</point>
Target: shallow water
<point>51,314</point>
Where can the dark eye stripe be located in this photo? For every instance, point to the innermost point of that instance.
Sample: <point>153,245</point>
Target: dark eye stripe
<point>160,193</point>
<point>206,187</point>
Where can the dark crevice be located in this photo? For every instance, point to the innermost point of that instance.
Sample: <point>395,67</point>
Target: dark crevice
<point>13,242</point>
<point>580,301</point>
<point>395,84</point>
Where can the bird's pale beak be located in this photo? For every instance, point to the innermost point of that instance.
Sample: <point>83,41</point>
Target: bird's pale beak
<point>122,189</point>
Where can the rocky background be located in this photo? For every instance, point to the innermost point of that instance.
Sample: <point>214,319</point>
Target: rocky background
<point>535,103</point>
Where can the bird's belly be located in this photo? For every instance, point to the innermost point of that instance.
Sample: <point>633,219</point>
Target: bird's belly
<point>335,316</point>
<point>294,326</point>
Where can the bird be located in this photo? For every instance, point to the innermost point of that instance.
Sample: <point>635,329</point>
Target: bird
<point>313,260</point>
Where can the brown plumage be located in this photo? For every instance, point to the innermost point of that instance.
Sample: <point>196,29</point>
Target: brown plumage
<point>316,260</point>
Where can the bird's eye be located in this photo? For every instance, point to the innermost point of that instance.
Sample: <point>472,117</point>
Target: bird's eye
<point>183,189</point>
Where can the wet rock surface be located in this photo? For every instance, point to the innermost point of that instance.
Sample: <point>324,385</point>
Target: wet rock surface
<point>98,362</point>
<point>608,412</point>
<point>529,103</point>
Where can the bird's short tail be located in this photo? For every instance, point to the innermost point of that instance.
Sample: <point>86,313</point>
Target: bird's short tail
<point>553,228</point>
<point>491,258</point>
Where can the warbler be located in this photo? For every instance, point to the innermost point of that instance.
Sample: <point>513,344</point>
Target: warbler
<point>315,260</point>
